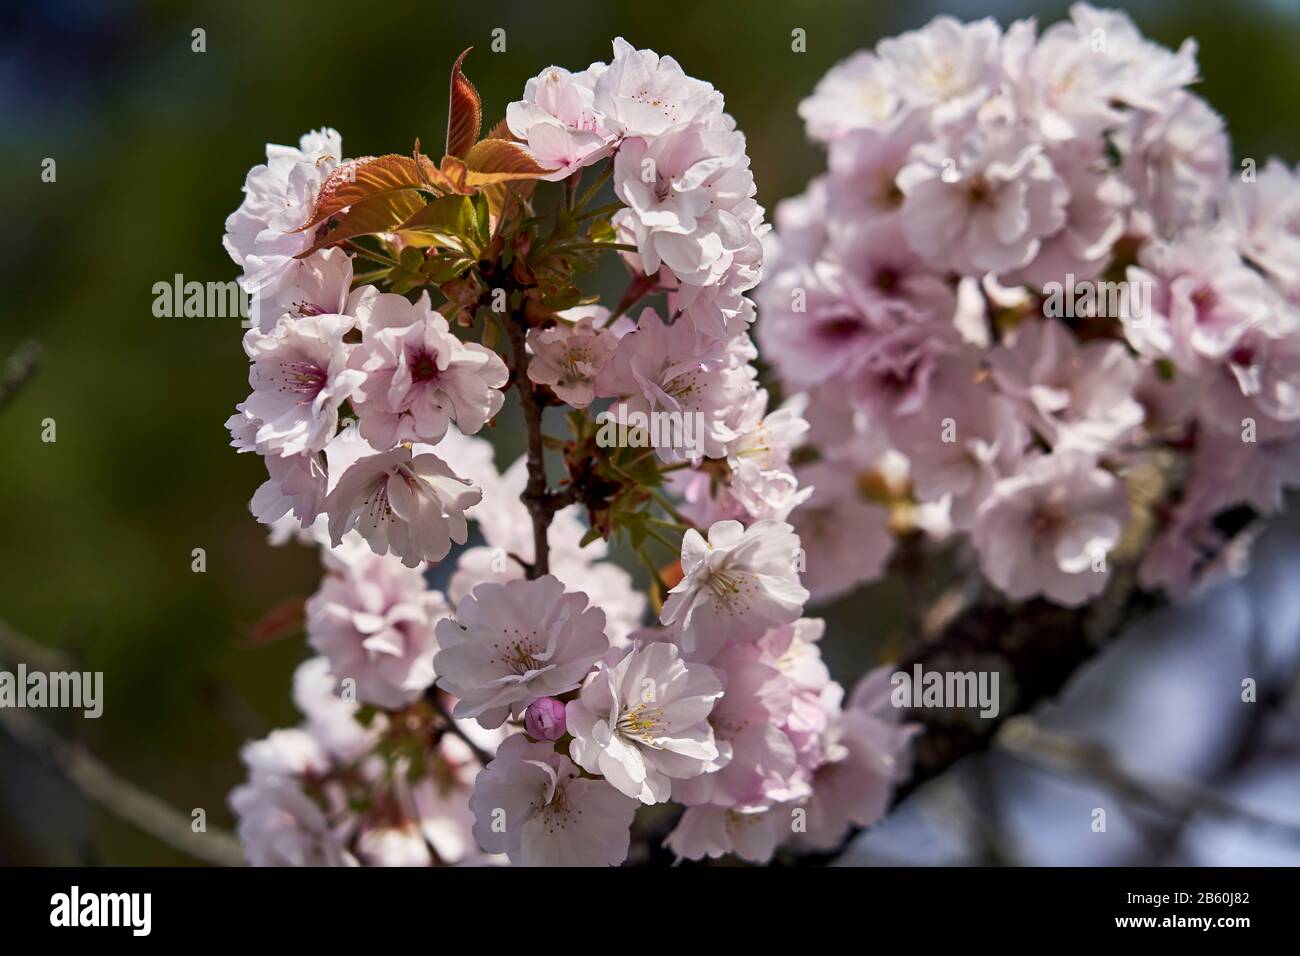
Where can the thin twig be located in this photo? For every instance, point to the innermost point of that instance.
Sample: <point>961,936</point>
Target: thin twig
<point>594,188</point>
<point>1031,743</point>
<point>637,289</point>
<point>481,755</point>
<point>370,254</point>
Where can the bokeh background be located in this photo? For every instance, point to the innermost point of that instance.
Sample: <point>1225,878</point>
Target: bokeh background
<point>152,142</point>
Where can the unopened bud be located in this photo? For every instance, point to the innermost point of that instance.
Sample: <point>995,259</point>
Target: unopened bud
<point>544,719</point>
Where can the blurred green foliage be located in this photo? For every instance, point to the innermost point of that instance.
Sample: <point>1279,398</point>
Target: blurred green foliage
<point>152,142</point>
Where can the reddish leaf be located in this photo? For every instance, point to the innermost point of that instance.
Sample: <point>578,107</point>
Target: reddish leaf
<point>454,171</point>
<point>431,175</point>
<point>383,212</point>
<point>504,198</point>
<point>501,131</point>
<point>500,161</point>
<point>283,620</point>
<point>365,179</point>
<point>465,112</point>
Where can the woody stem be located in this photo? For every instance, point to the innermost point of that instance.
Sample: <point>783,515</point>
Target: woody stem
<point>541,504</point>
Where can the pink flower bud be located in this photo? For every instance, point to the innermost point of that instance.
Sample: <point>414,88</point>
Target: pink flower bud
<point>544,719</point>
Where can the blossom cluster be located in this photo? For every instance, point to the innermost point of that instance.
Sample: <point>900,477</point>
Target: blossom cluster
<point>1031,306</point>
<point>524,710</point>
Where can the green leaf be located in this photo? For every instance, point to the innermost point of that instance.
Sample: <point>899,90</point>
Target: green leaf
<point>443,268</point>
<point>601,230</point>
<point>564,298</point>
<point>446,221</point>
<point>408,274</point>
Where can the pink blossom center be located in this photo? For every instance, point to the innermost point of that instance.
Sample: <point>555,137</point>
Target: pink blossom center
<point>424,367</point>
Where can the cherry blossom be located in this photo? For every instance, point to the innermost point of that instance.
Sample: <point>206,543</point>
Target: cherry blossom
<point>279,197</point>
<point>865,753</point>
<point>859,93</point>
<point>946,66</point>
<point>375,624</point>
<point>706,831</point>
<point>530,804</point>
<point>982,200</point>
<point>641,721</point>
<point>1047,528</point>
<point>846,538</point>
<point>558,120</point>
<point>418,377</point>
<point>510,644</point>
<point>1075,396</point>
<point>407,502</point>
<point>299,379</point>
<point>735,584</point>
<point>643,94</point>
<point>570,354</point>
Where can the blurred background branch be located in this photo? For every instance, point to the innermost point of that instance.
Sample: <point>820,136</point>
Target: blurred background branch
<point>18,369</point>
<point>93,778</point>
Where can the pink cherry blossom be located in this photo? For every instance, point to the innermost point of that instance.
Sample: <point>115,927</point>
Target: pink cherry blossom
<point>736,584</point>
<point>1204,298</point>
<point>319,285</point>
<point>962,440</point>
<point>860,92</point>
<point>418,376</point>
<point>558,120</point>
<point>659,368</point>
<point>946,66</point>
<point>1075,396</point>
<point>644,94</point>
<point>846,538</point>
<point>406,501</point>
<point>866,751</point>
<point>510,644</point>
<point>1048,528</point>
<point>982,200</point>
<point>278,198</point>
<point>299,377</point>
<point>375,624</point>
<point>641,721</point>
<point>757,763</point>
<point>710,831</point>
<point>570,354</point>
<point>530,804</point>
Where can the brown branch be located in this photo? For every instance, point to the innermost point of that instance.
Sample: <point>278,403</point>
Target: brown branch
<point>540,501</point>
<point>1035,646</point>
